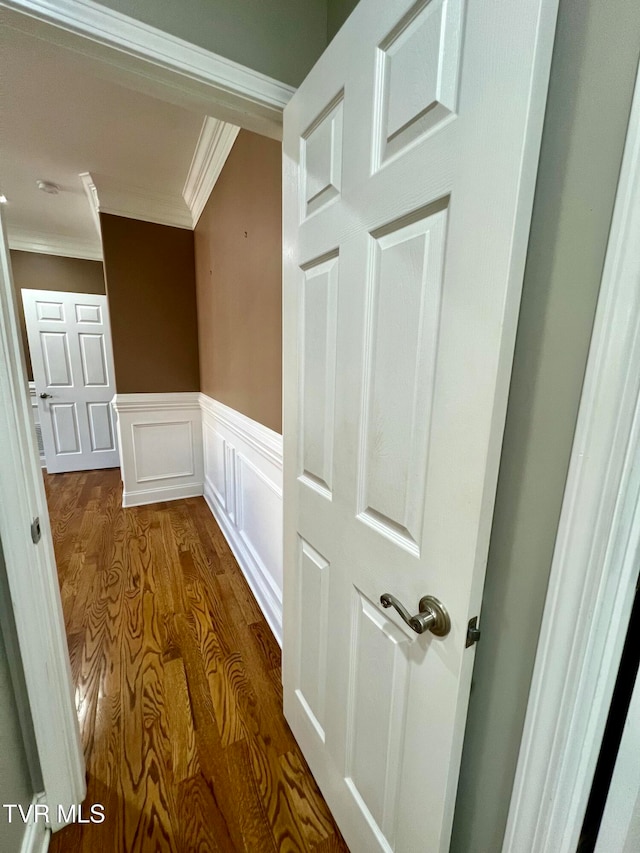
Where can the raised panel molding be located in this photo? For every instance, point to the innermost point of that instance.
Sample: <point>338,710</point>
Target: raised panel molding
<point>243,488</point>
<point>160,446</point>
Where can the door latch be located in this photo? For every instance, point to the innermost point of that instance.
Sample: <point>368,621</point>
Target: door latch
<point>473,632</point>
<point>36,533</point>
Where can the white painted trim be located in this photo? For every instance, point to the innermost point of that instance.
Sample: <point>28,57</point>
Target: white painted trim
<point>594,567</point>
<point>37,835</point>
<point>253,99</point>
<point>31,569</point>
<point>92,197</point>
<point>141,497</point>
<point>187,400</point>
<point>123,199</point>
<point>53,244</point>
<point>264,440</point>
<point>212,149</point>
<point>247,451</point>
<point>160,438</point>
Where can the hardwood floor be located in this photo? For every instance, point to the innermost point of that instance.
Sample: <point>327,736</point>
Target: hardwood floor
<point>177,680</point>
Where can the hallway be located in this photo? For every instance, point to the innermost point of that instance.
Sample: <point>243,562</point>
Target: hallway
<point>177,679</point>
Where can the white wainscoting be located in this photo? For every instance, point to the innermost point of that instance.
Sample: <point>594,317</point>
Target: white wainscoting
<point>243,488</point>
<point>160,439</point>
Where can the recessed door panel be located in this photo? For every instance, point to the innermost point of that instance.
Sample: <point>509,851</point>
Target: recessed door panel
<point>318,340</point>
<point>66,432</point>
<point>379,656</point>
<point>94,360</point>
<point>405,284</point>
<point>57,364</point>
<point>101,426</point>
<point>50,311</point>
<point>314,600</point>
<point>322,159</point>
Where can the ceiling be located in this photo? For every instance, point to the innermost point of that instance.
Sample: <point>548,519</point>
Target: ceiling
<point>60,116</point>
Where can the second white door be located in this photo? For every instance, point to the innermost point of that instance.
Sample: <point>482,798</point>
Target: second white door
<point>409,164</point>
<point>70,345</point>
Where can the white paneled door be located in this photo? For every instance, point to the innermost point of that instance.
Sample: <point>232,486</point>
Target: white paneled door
<point>70,345</point>
<point>410,154</point>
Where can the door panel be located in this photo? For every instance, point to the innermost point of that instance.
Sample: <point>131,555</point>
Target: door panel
<point>70,345</point>
<point>409,165</point>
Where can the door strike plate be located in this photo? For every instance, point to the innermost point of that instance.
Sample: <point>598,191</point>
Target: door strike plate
<point>473,632</point>
<point>36,533</point>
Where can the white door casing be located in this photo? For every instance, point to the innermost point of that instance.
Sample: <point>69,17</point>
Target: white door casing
<point>70,344</point>
<point>410,154</point>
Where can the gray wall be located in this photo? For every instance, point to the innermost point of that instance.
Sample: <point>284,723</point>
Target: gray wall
<point>337,13</point>
<point>593,72</point>
<point>280,38</point>
<point>16,784</point>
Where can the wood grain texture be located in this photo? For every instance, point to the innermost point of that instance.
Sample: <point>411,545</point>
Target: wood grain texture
<point>177,679</point>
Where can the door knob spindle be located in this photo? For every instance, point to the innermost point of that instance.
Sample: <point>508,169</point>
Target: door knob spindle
<point>432,615</point>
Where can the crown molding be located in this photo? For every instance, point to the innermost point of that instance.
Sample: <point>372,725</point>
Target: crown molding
<point>122,199</point>
<point>212,149</point>
<point>92,196</point>
<point>169,66</point>
<point>44,243</point>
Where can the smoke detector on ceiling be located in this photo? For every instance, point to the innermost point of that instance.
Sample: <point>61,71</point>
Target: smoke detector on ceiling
<point>48,187</point>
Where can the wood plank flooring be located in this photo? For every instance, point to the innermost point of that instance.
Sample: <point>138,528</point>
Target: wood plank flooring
<point>177,679</point>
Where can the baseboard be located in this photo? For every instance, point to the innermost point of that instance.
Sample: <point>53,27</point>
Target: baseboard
<point>158,495</point>
<point>160,438</point>
<point>268,600</point>
<point>243,489</point>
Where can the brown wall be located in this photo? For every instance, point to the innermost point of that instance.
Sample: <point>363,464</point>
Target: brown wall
<point>152,303</point>
<point>238,247</point>
<point>33,271</point>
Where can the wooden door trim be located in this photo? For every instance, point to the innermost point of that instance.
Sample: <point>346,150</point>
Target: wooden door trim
<point>593,573</point>
<point>31,570</point>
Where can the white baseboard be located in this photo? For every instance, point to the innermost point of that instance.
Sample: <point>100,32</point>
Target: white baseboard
<point>243,489</point>
<point>153,496</point>
<point>160,438</point>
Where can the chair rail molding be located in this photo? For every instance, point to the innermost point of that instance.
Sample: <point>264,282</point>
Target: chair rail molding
<point>594,569</point>
<point>212,149</point>
<point>157,62</point>
<point>243,488</point>
<point>160,437</point>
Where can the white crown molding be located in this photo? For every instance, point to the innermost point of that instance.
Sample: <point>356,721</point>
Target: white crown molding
<point>189,72</point>
<point>212,149</point>
<point>121,199</point>
<point>92,196</point>
<point>53,244</point>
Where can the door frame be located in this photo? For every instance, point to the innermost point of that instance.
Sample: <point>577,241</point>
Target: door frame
<point>594,568</point>
<point>31,570</point>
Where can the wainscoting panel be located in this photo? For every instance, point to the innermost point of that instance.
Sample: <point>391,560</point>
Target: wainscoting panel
<point>161,446</point>
<point>243,488</point>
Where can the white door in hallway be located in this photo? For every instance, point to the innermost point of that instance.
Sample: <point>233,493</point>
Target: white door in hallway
<point>410,154</point>
<point>70,345</point>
